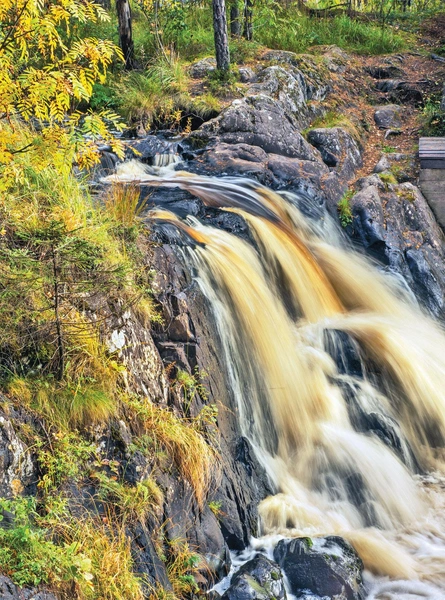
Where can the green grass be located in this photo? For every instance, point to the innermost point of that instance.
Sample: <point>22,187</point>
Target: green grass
<point>298,33</point>
<point>159,95</point>
<point>344,209</point>
<point>335,119</point>
<point>433,118</point>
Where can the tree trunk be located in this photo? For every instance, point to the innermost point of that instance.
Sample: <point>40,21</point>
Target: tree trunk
<point>125,32</point>
<point>248,20</point>
<point>235,25</point>
<point>221,36</point>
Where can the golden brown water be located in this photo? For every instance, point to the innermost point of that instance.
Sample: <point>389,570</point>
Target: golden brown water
<point>340,382</point>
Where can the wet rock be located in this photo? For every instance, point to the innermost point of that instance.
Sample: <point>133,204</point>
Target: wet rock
<point>202,68</point>
<point>243,483</point>
<point>311,179</point>
<point>258,579</point>
<point>147,562</point>
<point>327,567</point>
<point>146,149</point>
<point>388,116</point>
<point>338,149</point>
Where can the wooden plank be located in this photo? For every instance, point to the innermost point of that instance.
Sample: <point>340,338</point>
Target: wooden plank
<point>433,163</point>
<point>431,149</point>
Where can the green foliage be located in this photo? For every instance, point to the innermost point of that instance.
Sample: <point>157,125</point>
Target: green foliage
<point>289,30</point>
<point>66,459</point>
<point>159,96</point>
<point>433,118</point>
<point>103,96</point>
<point>335,119</point>
<point>344,209</point>
<point>30,557</point>
<point>182,565</point>
<point>46,70</point>
<point>223,83</point>
<point>188,385</point>
<point>130,503</point>
<point>215,507</point>
<point>67,554</point>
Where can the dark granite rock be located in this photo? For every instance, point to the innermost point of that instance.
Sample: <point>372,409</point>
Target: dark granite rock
<point>9,591</point>
<point>401,91</point>
<point>395,225</point>
<point>338,149</point>
<point>324,566</point>
<point>258,579</point>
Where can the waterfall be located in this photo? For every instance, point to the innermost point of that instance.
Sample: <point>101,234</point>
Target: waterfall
<point>339,379</point>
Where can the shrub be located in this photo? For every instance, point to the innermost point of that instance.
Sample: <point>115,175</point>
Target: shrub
<point>344,209</point>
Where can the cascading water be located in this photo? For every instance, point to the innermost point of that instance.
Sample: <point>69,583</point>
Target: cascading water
<point>339,379</point>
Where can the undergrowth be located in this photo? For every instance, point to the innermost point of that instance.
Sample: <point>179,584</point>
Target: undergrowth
<point>344,209</point>
<point>335,119</point>
<point>289,30</point>
<point>70,265</point>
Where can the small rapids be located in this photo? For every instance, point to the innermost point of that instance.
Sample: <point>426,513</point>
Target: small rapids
<point>339,379</point>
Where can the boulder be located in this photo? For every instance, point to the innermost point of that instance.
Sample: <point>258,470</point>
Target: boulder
<point>314,70</point>
<point>257,121</point>
<point>258,579</point>
<point>338,148</point>
<point>327,567</point>
<point>395,225</point>
<point>147,148</point>
<point>246,74</point>
<point>202,68</point>
<point>389,116</point>
<point>287,87</point>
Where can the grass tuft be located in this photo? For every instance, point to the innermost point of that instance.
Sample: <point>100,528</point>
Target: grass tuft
<point>344,209</point>
<point>183,440</point>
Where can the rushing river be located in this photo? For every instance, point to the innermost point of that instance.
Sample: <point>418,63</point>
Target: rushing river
<point>339,378</point>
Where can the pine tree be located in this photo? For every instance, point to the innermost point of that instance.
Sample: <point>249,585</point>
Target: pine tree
<point>221,36</point>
